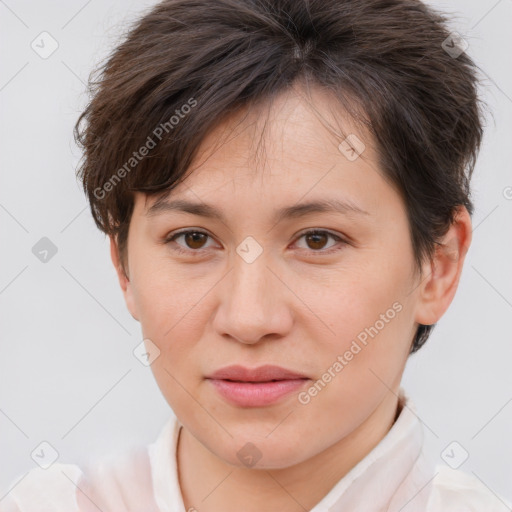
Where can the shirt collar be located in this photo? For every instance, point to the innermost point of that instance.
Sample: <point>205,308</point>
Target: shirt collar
<point>374,480</point>
<point>164,469</point>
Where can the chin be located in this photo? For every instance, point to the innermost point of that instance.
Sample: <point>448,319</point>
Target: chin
<point>257,452</point>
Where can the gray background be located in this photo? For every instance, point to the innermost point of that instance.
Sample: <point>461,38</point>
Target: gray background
<point>67,372</point>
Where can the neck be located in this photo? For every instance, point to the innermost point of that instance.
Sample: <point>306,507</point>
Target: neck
<point>210,484</point>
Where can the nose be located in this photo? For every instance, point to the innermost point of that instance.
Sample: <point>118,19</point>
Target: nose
<point>254,303</point>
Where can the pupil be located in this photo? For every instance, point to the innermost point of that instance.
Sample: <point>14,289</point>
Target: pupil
<point>315,238</point>
<point>194,238</point>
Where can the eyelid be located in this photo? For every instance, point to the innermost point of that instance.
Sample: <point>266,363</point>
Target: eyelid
<point>184,231</point>
<point>339,239</point>
<point>319,230</point>
<point>171,236</point>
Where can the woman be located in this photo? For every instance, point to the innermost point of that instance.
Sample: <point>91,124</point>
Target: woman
<point>285,185</point>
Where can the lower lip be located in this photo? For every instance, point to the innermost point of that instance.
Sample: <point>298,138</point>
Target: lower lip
<point>246,394</point>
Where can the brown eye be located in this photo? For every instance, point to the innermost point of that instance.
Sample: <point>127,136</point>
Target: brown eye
<point>194,241</point>
<point>316,241</point>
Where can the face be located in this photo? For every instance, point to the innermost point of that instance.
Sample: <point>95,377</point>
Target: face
<point>330,295</point>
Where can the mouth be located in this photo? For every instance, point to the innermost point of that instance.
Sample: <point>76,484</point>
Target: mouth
<point>256,387</point>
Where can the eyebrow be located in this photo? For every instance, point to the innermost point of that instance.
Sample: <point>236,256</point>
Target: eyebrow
<point>298,210</point>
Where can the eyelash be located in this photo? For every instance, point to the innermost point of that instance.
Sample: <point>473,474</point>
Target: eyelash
<point>180,250</point>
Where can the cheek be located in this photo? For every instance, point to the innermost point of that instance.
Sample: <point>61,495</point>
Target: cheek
<point>172,305</point>
<point>352,301</point>
<point>164,295</point>
<point>369,318</point>
<point>169,317</point>
<point>359,364</point>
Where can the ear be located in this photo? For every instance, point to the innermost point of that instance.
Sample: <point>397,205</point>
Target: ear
<point>441,275</point>
<point>124,281</point>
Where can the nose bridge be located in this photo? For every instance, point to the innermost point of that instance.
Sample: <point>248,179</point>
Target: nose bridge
<point>251,283</point>
<point>251,304</point>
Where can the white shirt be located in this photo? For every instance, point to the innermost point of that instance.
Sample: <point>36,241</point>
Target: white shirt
<point>394,477</point>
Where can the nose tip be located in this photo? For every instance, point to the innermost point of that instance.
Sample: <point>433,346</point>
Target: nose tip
<point>253,306</point>
<point>251,329</point>
<point>246,340</point>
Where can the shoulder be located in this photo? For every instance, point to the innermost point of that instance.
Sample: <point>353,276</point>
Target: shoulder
<point>457,491</point>
<point>120,481</point>
<point>117,482</point>
<point>54,488</point>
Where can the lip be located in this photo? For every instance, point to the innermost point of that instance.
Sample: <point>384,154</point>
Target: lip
<point>256,387</point>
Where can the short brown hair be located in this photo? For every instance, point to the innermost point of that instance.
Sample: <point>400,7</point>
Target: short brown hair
<point>186,64</point>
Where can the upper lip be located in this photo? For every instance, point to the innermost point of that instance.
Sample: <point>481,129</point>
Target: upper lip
<point>261,374</point>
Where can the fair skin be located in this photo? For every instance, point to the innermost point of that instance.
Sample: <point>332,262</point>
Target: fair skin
<point>298,305</point>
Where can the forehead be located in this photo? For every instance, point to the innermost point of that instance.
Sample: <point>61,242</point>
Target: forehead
<point>297,126</point>
<point>290,152</point>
